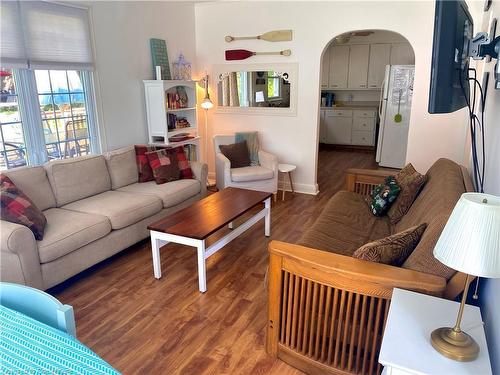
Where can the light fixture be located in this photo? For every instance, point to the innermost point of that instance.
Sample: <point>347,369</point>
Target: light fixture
<point>469,243</point>
<point>206,103</point>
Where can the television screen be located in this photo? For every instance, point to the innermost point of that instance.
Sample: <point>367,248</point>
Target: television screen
<point>449,89</point>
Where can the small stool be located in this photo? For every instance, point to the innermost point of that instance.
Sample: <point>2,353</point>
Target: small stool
<point>287,169</point>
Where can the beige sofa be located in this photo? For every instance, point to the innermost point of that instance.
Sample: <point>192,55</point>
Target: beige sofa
<point>94,207</point>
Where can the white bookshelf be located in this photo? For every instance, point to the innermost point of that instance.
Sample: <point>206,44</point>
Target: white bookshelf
<point>158,113</point>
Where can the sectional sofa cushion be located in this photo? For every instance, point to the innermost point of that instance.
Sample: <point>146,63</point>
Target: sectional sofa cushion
<point>122,167</point>
<point>144,171</point>
<point>122,209</point>
<point>184,167</point>
<point>245,174</point>
<point>34,183</point>
<point>344,225</point>
<point>18,208</point>
<point>74,179</point>
<point>67,231</point>
<point>171,194</point>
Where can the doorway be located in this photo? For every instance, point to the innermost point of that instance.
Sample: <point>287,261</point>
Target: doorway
<point>366,92</point>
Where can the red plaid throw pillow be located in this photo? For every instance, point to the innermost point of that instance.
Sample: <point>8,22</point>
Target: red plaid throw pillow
<point>164,165</point>
<point>184,167</point>
<point>16,207</point>
<point>144,169</point>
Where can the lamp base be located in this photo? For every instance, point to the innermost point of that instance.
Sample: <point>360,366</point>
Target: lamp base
<point>458,346</point>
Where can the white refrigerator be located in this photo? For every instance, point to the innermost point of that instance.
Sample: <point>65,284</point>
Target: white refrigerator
<point>394,112</point>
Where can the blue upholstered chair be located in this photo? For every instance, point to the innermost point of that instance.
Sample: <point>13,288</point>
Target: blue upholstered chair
<point>38,305</point>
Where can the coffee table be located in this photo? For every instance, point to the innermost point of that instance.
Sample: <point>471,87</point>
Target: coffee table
<point>194,224</point>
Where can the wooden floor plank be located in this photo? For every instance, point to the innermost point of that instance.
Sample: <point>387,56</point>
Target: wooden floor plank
<point>141,325</point>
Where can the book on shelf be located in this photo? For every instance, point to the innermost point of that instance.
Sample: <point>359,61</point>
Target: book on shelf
<point>177,122</point>
<point>176,98</point>
<point>190,151</point>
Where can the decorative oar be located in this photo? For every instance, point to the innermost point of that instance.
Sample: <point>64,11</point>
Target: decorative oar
<point>271,36</point>
<point>242,54</point>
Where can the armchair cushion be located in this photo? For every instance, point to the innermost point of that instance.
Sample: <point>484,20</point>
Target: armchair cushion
<point>237,153</point>
<point>246,174</point>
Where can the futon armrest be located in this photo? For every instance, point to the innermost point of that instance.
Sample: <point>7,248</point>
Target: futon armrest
<point>353,274</point>
<point>362,181</point>
<point>19,258</point>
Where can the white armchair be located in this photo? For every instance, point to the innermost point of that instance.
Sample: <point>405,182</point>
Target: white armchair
<point>263,177</point>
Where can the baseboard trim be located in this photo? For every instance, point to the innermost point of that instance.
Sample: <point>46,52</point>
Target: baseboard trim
<point>299,188</point>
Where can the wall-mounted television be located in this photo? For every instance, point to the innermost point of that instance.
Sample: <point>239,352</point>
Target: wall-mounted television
<point>453,25</point>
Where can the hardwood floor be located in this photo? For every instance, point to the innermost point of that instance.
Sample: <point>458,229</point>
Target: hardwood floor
<point>141,325</point>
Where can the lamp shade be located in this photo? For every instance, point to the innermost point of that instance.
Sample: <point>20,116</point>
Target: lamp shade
<point>207,103</point>
<point>470,241</point>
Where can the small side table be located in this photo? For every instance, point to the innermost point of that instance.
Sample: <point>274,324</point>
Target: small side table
<point>406,346</point>
<point>287,169</point>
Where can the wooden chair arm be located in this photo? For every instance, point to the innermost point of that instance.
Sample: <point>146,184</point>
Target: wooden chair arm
<point>352,274</point>
<point>362,181</point>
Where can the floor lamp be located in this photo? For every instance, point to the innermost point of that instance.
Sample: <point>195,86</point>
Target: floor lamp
<point>206,104</point>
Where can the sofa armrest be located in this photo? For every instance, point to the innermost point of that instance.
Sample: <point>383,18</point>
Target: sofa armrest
<point>20,261</point>
<point>362,181</point>
<point>352,293</point>
<point>222,170</point>
<point>200,171</point>
<point>268,161</point>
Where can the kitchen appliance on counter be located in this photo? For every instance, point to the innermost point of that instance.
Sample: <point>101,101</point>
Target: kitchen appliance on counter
<point>394,112</point>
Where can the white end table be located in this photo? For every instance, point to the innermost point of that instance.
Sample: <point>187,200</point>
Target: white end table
<point>406,346</point>
<point>287,169</point>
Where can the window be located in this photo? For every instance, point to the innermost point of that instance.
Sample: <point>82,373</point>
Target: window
<point>273,85</point>
<point>47,108</point>
<point>13,150</point>
<point>242,82</point>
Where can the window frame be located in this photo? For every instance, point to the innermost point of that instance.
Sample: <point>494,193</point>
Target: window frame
<point>31,117</point>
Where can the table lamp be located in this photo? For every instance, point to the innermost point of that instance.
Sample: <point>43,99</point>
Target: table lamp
<point>469,243</point>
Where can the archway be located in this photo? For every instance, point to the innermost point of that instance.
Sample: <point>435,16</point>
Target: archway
<point>366,80</point>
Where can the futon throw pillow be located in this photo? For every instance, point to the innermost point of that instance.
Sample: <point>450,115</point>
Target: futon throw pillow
<point>394,249</point>
<point>164,165</point>
<point>383,196</point>
<point>410,182</point>
<point>237,153</point>
<point>18,208</point>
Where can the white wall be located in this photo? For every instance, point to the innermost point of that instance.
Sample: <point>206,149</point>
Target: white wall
<point>122,30</point>
<point>314,24</point>
<point>489,291</point>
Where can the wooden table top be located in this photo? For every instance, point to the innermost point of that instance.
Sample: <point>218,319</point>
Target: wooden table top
<point>206,216</point>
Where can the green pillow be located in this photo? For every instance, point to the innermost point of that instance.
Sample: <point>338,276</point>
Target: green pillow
<point>383,196</point>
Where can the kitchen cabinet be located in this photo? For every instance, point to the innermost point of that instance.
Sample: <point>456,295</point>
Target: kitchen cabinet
<point>339,67</point>
<point>325,69</point>
<point>361,66</point>
<point>358,66</point>
<point>380,56</point>
<point>348,126</point>
<point>402,54</point>
<point>338,128</point>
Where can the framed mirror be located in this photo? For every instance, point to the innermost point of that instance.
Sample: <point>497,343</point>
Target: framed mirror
<point>269,89</point>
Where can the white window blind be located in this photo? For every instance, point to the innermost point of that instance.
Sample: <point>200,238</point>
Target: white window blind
<point>12,48</point>
<point>54,36</point>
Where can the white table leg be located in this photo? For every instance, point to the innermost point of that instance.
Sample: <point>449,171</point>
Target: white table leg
<point>267,219</point>
<point>202,273</point>
<point>155,248</point>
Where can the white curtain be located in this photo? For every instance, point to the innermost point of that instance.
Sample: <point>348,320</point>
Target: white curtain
<point>230,90</point>
<point>44,35</point>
